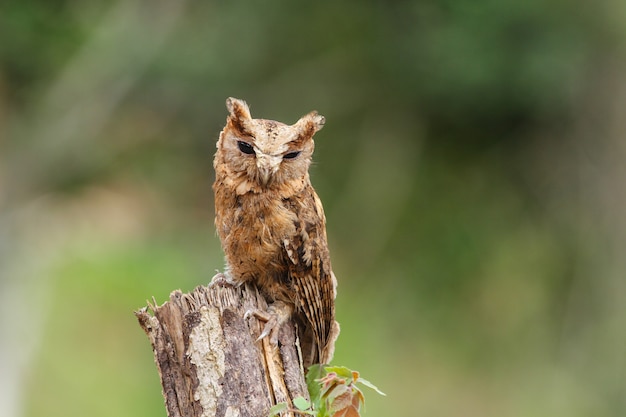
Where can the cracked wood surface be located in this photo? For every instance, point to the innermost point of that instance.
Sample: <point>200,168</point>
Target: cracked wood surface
<point>209,361</point>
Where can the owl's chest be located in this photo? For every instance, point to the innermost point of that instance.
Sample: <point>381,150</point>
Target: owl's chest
<point>254,229</point>
<point>263,220</point>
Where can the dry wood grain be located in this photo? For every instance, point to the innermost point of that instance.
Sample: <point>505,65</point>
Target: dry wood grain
<point>208,359</point>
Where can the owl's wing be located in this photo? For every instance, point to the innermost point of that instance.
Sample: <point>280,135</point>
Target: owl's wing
<point>312,279</point>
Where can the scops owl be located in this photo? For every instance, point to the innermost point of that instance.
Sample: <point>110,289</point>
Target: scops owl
<point>272,226</point>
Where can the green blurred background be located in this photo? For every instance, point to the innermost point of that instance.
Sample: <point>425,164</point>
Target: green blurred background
<point>472,169</point>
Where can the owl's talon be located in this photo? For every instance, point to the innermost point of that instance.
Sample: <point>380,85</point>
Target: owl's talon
<point>277,314</point>
<point>271,324</point>
<point>266,331</point>
<point>222,280</point>
<point>261,315</point>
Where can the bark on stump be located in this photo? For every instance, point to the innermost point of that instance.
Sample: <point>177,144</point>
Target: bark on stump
<point>209,361</point>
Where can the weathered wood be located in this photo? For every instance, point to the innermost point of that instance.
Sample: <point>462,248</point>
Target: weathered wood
<point>209,361</point>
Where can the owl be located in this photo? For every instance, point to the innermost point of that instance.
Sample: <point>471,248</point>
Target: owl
<point>272,225</point>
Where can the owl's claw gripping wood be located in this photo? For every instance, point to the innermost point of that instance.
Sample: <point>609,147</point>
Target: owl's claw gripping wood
<point>222,280</point>
<point>277,314</point>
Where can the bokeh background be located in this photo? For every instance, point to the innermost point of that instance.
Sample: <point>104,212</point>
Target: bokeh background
<point>472,169</point>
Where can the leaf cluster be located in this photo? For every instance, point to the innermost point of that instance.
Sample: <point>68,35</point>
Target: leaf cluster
<point>334,392</point>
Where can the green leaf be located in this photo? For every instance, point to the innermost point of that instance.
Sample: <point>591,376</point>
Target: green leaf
<point>301,403</point>
<point>277,409</point>
<point>370,385</point>
<point>341,371</point>
<point>315,372</point>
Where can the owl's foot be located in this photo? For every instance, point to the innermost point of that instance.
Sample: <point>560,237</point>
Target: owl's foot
<point>222,280</point>
<point>276,314</point>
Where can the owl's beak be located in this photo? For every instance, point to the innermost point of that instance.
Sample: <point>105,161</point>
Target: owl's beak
<point>265,174</point>
<point>267,167</point>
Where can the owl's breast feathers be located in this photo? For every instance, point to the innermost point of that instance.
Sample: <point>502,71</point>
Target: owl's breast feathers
<point>267,234</point>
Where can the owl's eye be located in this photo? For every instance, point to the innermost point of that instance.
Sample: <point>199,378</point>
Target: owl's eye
<point>291,155</point>
<point>245,147</point>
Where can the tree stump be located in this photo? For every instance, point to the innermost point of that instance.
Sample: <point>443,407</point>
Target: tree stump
<point>209,361</point>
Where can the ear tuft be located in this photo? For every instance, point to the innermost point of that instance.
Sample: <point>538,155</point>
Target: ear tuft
<point>309,124</point>
<point>238,109</point>
<point>317,120</point>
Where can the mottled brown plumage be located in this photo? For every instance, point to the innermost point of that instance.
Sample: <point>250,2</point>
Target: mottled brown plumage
<point>272,226</point>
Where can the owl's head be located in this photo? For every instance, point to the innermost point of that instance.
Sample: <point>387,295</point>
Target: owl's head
<point>264,154</point>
